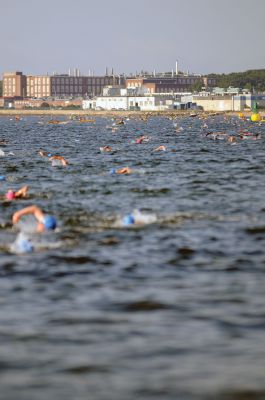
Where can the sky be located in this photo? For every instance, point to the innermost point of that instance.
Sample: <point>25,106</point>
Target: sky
<point>204,36</point>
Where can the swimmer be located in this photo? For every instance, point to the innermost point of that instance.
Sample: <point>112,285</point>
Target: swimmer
<point>180,129</point>
<point>216,135</point>
<point>120,122</point>
<point>231,139</point>
<point>43,153</point>
<point>105,149</point>
<point>61,159</point>
<point>251,136</point>
<point>19,194</point>
<point>160,148</point>
<point>124,170</point>
<point>142,139</point>
<point>137,218</point>
<point>44,221</point>
<point>3,142</point>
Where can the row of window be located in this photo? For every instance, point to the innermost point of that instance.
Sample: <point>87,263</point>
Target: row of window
<point>38,80</point>
<point>10,80</point>
<point>80,81</point>
<point>37,87</point>
<point>60,81</point>
<point>174,89</point>
<point>60,89</point>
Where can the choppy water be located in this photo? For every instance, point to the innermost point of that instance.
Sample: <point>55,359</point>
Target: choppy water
<point>172,310</point>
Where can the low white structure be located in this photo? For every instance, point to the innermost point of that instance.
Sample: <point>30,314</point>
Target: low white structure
<point>243,102</point>
<point>89,104</point>
<point>112,102</point>
<point>229,102</point>
<point>214,103</point>
<point>143,103</point>
<point>151,102</point>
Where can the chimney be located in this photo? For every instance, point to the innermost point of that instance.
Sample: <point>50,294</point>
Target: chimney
<point>177,68</point>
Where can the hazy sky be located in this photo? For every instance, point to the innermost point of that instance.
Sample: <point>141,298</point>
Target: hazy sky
<point>40,36</point>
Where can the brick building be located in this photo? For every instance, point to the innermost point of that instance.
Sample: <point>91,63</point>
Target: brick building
<point>38,86</point>
<point>14,84</point>
<point>168,84</point>
<point>81,86</point>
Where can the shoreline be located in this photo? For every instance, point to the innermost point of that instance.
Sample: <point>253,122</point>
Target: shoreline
<point>122,114</point>
<point>119,113</point>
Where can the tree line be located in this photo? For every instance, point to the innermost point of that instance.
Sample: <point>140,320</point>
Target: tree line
<point>253,79</point>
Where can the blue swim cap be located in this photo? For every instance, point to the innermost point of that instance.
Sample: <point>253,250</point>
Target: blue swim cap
<point>49,222</point>
<point>25,246</point>
<point>128,220</point>
<point>112,171</point>
<point>2,178</point>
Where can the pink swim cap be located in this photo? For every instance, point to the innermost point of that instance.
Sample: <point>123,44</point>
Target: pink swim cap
<point>10,195</point>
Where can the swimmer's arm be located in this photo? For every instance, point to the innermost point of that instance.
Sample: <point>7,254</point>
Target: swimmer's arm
<point>36,211</point>
<point>22,192</point>
<point>62,159</point>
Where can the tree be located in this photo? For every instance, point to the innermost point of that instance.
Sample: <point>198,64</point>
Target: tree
<point>197,86</point>
<point>248,86</point>
<point>45,105</point>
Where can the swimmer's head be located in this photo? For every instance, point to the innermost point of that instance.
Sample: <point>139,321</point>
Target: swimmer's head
<point>128,220</point>
<point>2,178</point>
<point>10,195</point>
<point>112,171</point>
<point>49,222</point>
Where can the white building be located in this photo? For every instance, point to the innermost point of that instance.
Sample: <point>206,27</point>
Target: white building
<point>142,103</point>
<point>89,104</point>
<point>229,102</point>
